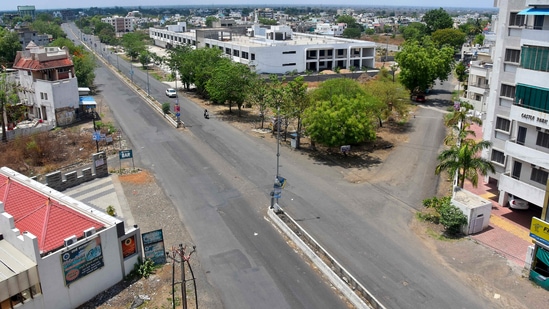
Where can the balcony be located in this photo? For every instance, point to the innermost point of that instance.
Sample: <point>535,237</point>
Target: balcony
<point>530,36</point>
<point>527,154</point>
<point>523,190</point>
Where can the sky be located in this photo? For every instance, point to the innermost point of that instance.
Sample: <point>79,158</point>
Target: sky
<point>6,5</point>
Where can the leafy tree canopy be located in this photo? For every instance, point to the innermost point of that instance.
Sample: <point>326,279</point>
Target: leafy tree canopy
<point>340,121</point>
<point>422,64</point>
<point>437,19</point>
<point>229,83</point>
<point>414,31</point>
<point>9,45</point>
<point>210,20</point>
<point>350,88</point>
<point>454,38</point>
<point>352,33</point>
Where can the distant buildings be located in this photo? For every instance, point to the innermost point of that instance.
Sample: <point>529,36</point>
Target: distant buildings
<point>26,10</point>
<point>274,50</point>
<point>122,25</point>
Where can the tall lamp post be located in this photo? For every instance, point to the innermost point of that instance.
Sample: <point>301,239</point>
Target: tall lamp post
<point>279,181</point>
<point>148,92</point>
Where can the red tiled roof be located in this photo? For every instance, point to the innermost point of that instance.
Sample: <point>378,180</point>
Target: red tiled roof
<point>49,220</point>
<point>35,65</point>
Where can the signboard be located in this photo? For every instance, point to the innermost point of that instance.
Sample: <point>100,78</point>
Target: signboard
<point>125,154</point>
<point>96,136</point>
<point>153,245</point>
<point>129,247</point>
<point>539,230</point>
<point>82,260</point>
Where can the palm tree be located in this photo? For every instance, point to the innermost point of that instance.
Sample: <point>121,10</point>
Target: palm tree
<point>460,120</point>
<point>465,161</point>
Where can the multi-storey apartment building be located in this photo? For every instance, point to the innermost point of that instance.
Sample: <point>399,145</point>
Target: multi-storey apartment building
<point>274,50</point>
<point>517,115</point>
<point>121,25</point>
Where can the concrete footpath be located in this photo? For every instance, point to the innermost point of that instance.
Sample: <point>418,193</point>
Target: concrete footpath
<point>102,193</point>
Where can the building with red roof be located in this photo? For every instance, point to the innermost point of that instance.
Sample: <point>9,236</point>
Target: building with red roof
<point>49,87</point>
<point>55,251</point>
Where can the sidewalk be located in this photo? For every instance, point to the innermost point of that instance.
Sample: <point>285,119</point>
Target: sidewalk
<point>509,230</point>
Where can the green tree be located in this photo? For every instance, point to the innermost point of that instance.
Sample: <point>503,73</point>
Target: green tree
<point>202,62</point>
<point>259,96</point>
<point>268,21</point>
<point>229,83</point>
<point>347,19</point>
<point>414,31</point>
<point>340,121</point>
<point>9,45</point>
<point>298,101</point>
<point>479,39</point>
<point>352,33</point>
<point>180,61</point>
<point>461,75</point>
<point>49,27</point>
<point>465,160</point>
<point>8,97</point>
<point>449,37</point>
<point>392,96</point>
<point>347,87</point>
<point>437,19</point>
<point>210,20</point>
<point>134,44</point>
<point>459,120</point>
<point>422,64</point>
<point>144,58</point>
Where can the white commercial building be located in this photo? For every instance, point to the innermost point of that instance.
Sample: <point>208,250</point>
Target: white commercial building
<point>55,251</point>
<point>517,114</point>
<point>121,25</point>
<point>277,49</point>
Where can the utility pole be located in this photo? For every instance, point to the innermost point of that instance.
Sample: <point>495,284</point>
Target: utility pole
<point>177,255</point>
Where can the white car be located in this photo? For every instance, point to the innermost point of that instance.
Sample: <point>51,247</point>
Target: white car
<point>170,92</point>
<point>517,203</point>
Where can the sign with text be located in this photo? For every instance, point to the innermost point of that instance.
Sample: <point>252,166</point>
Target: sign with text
<point>153,245</point>
<point>125,154</point>
<point>82,260</point>
<point>539,230</point>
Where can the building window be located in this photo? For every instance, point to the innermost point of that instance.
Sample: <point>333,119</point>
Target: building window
<point>543,139</point>
<point>512,55</point>
<point>245,55</point>
<point>517,167</point>
<point>535,58</point>
<point>516,20</point>
<point>236,53</point>
<point>498,156</point>
<point>289,52</point>
<point>539,176</point>
<point>503,124</point>
<point>253,57</point>
<point>521,135</point>
<point>288,64</point>
<point>507,91</point>
<point>43,96</point>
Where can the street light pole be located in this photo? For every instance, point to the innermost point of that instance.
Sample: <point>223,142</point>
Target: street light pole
<point>147,69</point>
<point>180,252</point>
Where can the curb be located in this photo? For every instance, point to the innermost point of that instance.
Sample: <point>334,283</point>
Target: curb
<point>343,282</point>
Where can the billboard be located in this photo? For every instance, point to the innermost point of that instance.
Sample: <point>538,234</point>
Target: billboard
<point>129,247</point>
<point>153,246</point>
<point>82,260</point>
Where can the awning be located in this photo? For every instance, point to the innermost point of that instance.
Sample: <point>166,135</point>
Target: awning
<point>534,11</point>
<point>17,271</point>
<point>88,102</point>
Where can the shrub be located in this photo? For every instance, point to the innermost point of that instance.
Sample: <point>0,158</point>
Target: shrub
<point>143,269</point>
<point>452,218</point>
<point>165,107</point>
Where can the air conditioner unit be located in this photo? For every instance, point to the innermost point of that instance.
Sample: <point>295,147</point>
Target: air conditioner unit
<point>89,232</point>
<point>70,240</point>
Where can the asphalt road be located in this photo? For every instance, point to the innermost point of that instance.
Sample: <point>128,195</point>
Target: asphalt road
<point>219,180</point>
<point>242,255</point>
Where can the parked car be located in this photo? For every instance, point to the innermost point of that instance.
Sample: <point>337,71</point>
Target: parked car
<point>517,203</point>
<point>170,92</point>
<point>418,98</point>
